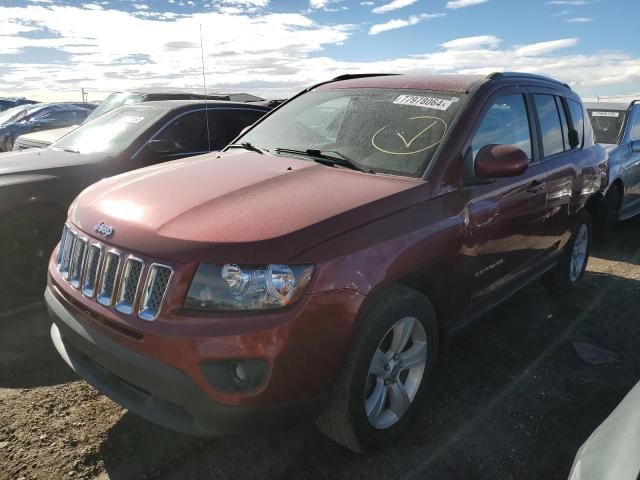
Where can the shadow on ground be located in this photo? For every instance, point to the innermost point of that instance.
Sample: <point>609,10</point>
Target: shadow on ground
<point>511,400</point>
<point>27,356</point>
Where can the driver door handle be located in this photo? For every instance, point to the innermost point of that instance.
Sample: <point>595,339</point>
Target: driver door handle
<point>536,186</point>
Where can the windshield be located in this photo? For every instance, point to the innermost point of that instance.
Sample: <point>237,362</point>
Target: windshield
<point>112,132</point>
<point>381,130</point>
<point>114,101</point>
<point>8,115</point>
<point>16,113</point>
<point>607,124</point>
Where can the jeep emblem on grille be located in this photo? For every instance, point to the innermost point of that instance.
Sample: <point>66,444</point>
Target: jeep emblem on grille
<point>103,229</point>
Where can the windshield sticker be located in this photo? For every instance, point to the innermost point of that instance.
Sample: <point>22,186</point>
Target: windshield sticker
<point>131,119</point>
<point>426,102</point>
<point>605,114</point>
<point>421,134</point>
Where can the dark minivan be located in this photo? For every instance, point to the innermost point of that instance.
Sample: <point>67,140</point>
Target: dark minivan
<point>318,264</point>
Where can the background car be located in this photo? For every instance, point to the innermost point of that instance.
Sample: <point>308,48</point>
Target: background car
<point>43,116</point>
<point>10,102</point>
<point>37,186</point>
<point>611,452</point>
<point>45,138</point>
<point>616,127</point>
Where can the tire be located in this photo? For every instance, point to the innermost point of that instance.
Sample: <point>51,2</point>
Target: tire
<point>609,214</point>
<point>385,321</point>
<point>27,238</point>
<point>569,272</point>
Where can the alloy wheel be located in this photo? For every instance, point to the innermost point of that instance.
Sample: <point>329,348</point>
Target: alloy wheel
<point>579,252</point>
<point>395,373</point>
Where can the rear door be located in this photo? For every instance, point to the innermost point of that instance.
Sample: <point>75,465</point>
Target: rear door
<point>563,162</point>
<point>506,215</point>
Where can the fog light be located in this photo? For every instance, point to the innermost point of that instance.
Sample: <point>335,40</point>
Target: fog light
<point>240,372</point>
<point>235,375</point>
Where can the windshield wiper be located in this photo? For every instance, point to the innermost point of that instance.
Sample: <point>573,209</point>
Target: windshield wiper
<point>325,157</point>
<point>248,146</point>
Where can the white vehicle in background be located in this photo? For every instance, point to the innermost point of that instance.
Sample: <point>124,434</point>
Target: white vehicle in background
<point>612,452</point>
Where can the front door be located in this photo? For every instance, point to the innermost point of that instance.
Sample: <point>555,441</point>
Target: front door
<point>505,215</point>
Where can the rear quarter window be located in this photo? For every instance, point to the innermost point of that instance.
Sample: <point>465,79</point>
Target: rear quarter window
<point>577,116</point>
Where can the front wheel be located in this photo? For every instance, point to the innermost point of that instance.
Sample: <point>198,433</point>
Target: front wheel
<point>384,379</point>
<point>568,273</point>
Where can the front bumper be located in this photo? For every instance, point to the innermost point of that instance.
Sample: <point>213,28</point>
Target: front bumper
<point>156,391</point>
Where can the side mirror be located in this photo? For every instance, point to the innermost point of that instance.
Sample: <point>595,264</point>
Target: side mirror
<point>494,161</point>
<point>162,147</point>
<point>635,146</point>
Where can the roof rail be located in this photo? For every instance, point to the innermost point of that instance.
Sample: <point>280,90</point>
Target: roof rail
<point>529,76</point>
<point>350,76</point>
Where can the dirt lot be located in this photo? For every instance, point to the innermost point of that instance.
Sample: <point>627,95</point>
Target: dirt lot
<point>513,400</point>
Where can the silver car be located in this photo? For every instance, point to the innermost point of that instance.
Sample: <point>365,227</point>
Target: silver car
<point>612,451</point>
<point>616,127</point>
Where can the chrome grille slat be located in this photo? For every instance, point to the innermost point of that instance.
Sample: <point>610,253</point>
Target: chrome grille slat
<point>69,243</point>
<point>108,277</point>
<point>65,230</point>
<point>129,283</point>
<point>113,279</point>
<point>77,262</point>
<point>91,270</point>
<point>154,291</point>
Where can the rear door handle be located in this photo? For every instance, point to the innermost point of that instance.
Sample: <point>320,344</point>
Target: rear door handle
<point>536,186</point>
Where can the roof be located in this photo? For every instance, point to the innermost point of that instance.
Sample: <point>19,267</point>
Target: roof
<point>444,82</point>
<point>193,92</point>
<point>175,104</point>
<point>606,105</point>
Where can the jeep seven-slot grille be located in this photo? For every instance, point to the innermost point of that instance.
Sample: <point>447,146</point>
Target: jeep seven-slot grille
<point>112,277</point>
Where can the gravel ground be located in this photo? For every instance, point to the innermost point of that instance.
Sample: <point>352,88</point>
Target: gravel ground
<point>512,399</point>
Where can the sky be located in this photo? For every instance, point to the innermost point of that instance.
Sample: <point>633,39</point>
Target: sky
<point>51,49</point>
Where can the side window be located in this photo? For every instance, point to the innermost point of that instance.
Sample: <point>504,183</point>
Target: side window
<point>187,133</point>
<point>505,123</point>
<point>550,126</point>
<point>577,115</point>
<point>635,127</point>
<point>226,124</point>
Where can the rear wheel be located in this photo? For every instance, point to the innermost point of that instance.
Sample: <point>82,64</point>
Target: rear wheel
<point>27,238</point>
<point>568,273</point>
<point>394,351</point>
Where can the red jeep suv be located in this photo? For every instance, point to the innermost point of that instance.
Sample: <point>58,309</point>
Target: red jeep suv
<point>316,265</point>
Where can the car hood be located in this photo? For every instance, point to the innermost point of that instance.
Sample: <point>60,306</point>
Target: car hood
<point>45,136</point>
<point>25,161</point>
<point>238,207</point>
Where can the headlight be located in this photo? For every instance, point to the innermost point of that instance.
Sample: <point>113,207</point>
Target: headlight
<point>247,287</point>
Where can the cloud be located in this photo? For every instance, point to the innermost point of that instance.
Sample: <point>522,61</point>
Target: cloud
<point>541,48</point>
<point>325,5</point>
<point>393,5</point>
<point>401,23</point>
<point>572,3</point>
<point>140,6</point>
<point>284,53</point>
<point>455,4</point>
<point>580,20</point>
<point>469,43</point>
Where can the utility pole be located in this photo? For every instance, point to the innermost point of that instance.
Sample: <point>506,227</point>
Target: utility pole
<point>85,95</point>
